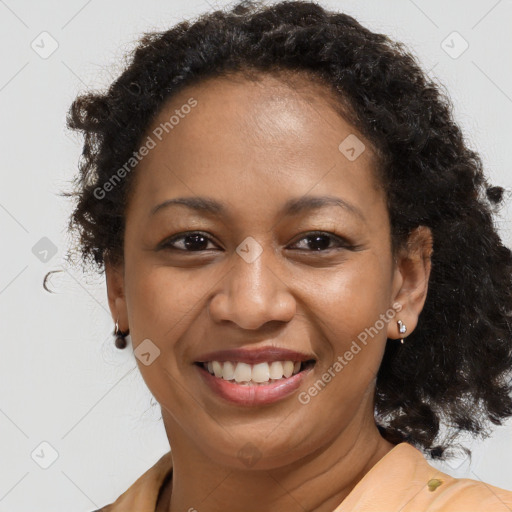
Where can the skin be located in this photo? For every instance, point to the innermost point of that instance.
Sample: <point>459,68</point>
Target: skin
<point>253,146</point>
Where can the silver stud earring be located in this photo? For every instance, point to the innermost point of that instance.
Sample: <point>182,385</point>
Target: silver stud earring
<point>402,329</point>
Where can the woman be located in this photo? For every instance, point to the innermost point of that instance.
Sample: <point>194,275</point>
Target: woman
<point>300,248</point>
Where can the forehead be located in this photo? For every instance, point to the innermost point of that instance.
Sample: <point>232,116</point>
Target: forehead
<point>292,107</point>
<point>274,134</point>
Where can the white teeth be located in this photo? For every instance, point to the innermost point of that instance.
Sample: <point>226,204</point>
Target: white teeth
<point>228,370</point>
<point>243,372</point>
<point>288,368</point>
<point>276,370</point>
<point>260,372</point>
<point>217,369</point>
<point>257,373</point>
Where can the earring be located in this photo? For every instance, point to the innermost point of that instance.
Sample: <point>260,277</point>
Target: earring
<point>120,337</point>
<point>402,329</point>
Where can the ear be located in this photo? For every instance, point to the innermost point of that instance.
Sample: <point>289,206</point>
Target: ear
<point>114,274</point>
<point>410,283</point>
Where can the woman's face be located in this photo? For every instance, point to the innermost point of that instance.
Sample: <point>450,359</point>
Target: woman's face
<point>257,277</point>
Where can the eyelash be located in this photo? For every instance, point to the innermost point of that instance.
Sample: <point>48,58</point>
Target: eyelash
<point>343,243</point>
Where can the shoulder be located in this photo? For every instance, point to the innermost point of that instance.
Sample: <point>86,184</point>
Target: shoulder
<point>460,494</point>
<point>142,495</point>
<point>457,494</point>
<point>445,493</point>
<point>405,480</point>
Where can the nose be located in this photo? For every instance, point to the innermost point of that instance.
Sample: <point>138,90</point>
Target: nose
<point>252,294</point>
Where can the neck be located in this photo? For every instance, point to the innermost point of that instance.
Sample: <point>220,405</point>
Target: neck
<point>318,482</point>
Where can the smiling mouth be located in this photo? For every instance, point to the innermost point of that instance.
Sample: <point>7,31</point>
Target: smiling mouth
<point>258,374</point>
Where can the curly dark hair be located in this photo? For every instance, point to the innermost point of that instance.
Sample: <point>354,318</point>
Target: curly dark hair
<point>455,368</point>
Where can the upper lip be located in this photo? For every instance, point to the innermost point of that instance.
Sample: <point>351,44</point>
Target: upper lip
<point>254,355</point>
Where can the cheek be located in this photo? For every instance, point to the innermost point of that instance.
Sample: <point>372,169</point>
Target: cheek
<point>350,311</point>
<point>353,297</point>
<point>161,298</point>
<point>161,309</point>
<point>353,306</point>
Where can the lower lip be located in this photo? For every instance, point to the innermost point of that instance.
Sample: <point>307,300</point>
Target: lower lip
<point>259,394</point>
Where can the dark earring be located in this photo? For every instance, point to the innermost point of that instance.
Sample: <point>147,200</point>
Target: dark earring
<point>120,337</point>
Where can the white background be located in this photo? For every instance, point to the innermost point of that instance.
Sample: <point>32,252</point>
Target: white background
<point>62,381</point>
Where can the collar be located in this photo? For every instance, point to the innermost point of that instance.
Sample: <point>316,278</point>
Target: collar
<point>401,480</point>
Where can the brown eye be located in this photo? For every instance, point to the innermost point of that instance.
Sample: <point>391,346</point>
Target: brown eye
<point>197,242</point>
<point>188,242</point>
<point>321,242</point>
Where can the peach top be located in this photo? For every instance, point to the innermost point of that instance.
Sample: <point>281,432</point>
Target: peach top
<point>401,481</point>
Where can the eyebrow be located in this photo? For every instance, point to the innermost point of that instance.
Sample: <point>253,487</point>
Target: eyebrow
<point>291,207</point>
